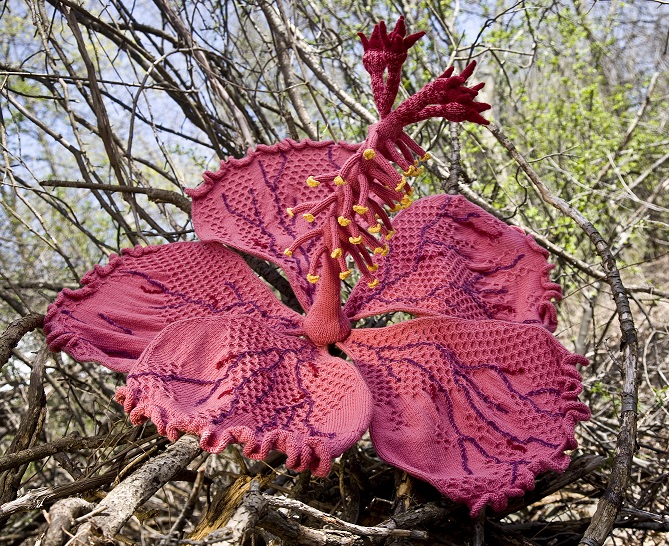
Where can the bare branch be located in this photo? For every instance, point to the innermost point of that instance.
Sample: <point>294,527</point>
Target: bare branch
<point>610,504</point>
<point>123,500</point>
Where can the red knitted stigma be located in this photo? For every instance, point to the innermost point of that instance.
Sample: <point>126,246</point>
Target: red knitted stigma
<point>386,51</point>
<point>368,181</point>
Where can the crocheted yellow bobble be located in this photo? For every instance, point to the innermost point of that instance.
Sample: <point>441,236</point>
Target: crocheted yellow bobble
<point>339,181</point>
<point>375,229</point>
<point>369,154</point>
<point>290,212</point>
<point>373,284</point>
<point>312,182</point>
<point>313,279</point>
<point>336,253</point>
<point>345,274</point>
<point>355,240</point>
<point>343,222</point>
<point>308,217</point>
<point>373,267</point>
<point>360,209</point>
<point>288,252</point>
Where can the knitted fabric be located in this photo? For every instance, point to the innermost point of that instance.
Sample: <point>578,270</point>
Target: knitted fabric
<point>476,408</point>
<point>476,397</point>
<point>386,52</point>
<point>368,180</point>
<point>233,380</point>
<point>127,303</point>
<point>244,203</point>
<point>450,257</point>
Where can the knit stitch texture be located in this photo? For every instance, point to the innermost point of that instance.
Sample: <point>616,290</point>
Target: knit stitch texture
<point>475,396</point>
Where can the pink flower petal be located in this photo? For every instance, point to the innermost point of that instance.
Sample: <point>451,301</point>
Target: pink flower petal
<point>234,380</point>
<point>125,304</point>
<point>244,203</point>
<point>450,257</point>
<point>476,408</point>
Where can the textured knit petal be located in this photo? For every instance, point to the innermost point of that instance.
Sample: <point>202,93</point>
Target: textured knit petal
<point>476,408</point>
<point>450,257</point>
<point>125,304</point>
<point>233,380</point>
<point>244,203</point>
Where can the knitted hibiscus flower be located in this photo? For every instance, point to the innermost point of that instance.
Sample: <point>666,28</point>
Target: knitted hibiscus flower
<point>473,395</point>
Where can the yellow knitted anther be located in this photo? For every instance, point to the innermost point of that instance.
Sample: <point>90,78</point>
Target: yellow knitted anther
<point>308,217</point>
<point>406,201</point>
<point>369,154</point>
<point>419,171</point>
<point>410,171</point>
<point>312,182</point>
<point>343,221</point>
<point>379,250</point>
<point>401,184</point>
<point>390,234</point>
<point>385,250</point>
<point>355,240</point>
<point>360,209</point>
<point>339,181</point>
<point>396,207</point>
<point>290,212</point>
<point>345,274</point>
<point>410,191</point>
<point>373,284</point>
<point>373,267</point>
<point>426,157</point>
<point>288,252</point>
<point>336,253</point>
<point>375,229</point>
<point>313,279</point>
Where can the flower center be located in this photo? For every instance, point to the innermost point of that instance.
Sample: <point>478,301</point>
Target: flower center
<point>355,225</point>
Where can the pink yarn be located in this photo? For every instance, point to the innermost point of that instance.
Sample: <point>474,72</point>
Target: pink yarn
<point>254,219</point>
<point>476,397</point>
<point>232,379</point>
<point>450,257</point>
<point>124,305</point>
<point>475,407</point>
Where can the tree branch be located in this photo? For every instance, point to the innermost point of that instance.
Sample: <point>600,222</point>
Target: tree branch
<point>609,505</point>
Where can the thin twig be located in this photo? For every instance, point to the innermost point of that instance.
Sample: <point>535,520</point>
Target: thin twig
<point>15,332</point>
<point>154,194</point>
<point>295,505</point>
<point>67,444</point>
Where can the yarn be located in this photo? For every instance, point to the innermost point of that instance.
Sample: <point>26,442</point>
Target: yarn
<point>475,407</point>
<point>475,396</point>
<point>231,379</point>
<point>124,305</point>
<point>450,257</point>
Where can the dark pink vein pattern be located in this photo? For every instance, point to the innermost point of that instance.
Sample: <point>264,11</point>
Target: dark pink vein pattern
<point>123,306</point>
<point>450,257</point>
<point>233,380</point>
<point>244,203</point>
<point>476,408</point>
